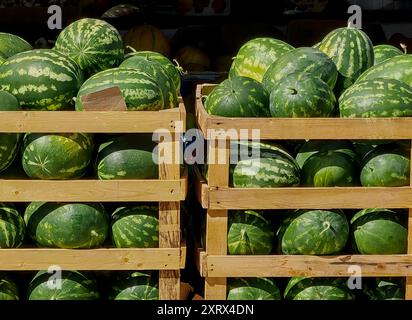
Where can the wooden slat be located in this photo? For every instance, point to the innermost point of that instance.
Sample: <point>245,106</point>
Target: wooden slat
<point>311,266</point>
<point>90,259</point>
<point>91,190</point>
<point>408,289</point>
<point>201,188</point>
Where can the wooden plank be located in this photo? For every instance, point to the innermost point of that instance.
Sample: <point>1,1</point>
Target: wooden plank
<point>408,288</point>
<point>311,266</point>
<point>308,198</point>
<point>90,259</point>
<point>201,188</point>
<point>91,190</point>
<point>110,99</point>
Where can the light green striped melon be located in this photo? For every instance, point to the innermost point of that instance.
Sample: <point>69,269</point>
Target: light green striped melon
<point>12,227</point>
<point>384,52</point>
<point>11,45</point>
<point>135,286</point>
<point>8,289</point>
<point>252,289</point>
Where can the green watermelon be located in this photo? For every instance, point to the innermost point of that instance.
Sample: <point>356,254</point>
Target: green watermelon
<point>11,45</point>
<point>157,72</point>
<point>2,59</point>
<point>139,90</point>
<point>94,44</point>
<point>56,156</point>
<point>255,57</point>
<point>352,51</point>
<point>386,166</point>
<point>67,225</point>
<point>379,231</point>
<point>41,79</point>
<point>376,98</point>
<point>307,60</point>
<point>249,233</point>
<point>8,289</point>
<point>398,68</point>
<point>318,232</point>
<point>120,10</point>
<point>300,288</point>
<point>74,286</point>
<point>172,70</point>
<point>301,95</point>
<point>136,227</point>
<point>127,157</point>
<point>386,289</point>
<point>238,97</point>
<point>134,286</point>
<point>252,289</point>
<point>383,52</point>
<point>12,227</point>
<point>274,168</point>
<point>362,148</point>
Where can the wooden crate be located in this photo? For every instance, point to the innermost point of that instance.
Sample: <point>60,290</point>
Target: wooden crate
<point>218,197</point>
<point>169,190</point>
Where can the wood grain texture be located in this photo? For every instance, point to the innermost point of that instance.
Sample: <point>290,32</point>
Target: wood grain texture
<point>408,289</point>
<point>201,188</point>
<point>110,99</point>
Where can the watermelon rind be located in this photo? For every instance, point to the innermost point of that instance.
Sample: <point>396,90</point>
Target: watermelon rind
<point>12,226</point>
<point>252,289</point>
<point>135,286</point>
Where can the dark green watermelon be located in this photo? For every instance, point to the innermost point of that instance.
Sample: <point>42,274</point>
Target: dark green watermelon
<point>379,231</point>
<point>8,289</point>
<point>121,10</point>
<point>252,289</point>
<point>318,232</point>
<point>11,45</point>
<point>238,97</point>
<point>384,52</point>
<point>12,227</point>
<point>73,286</point>
<point>386,289</point>
<point>135,286</point>
<point>301,95</point>
<point>249,233</point>
<point>67,225</point>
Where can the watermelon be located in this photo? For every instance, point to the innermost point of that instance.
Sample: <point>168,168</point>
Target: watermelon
<point>252,289</point>
<point>139,90</point>
<point>238,97</point>
<point>383,52</point>
<point>301,95</point>
<point>134,286</point>
<point>56,156</point>
<point>42,79</point>
<point>12,227</point>
<point>249,233</point>
<point>301,288</point>
<point>398,68</point>
<point>8,289</point>
<point>74,286</point>
<point>376,98</point>
<point>352,51</point>
<point>379,231</point>
<point>11,45</point>
<point>158,73</point>
<point>121,10</point>
<point>362,148</point>
<point>319,232</point>
<point>386,289</point>
<point>67,225</point>
<point>127,157</point>
<point>307,60</point>
<point>274,167</point>
<point>136,227</point>
<point>2,59</point>
<point>386,166</point>
<point>255,57</point>
<point>172,70</point>
<point>94,44</point>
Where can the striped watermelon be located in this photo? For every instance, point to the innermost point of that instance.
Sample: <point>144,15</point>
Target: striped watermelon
<point>318,232</point>
<point>147,37</point>
<point>308,60</point>
<point>376,98</point>
<point>275,168</point>
<point>8,289</point>
<point>2,59</point>
<point>383,52</point>
<point>301,95</point>
<point>41,79</point>
<point>94,44</point>
<point>249,233</point>
<point>379,231</point>
<point>252,289</point>
<point>74,286</point>
<point>158,73</point>
<point>67,225</point>
<point>300,288</point>
<point>238,97</point>
<point>352,51</point>
<point>11,45</point>
<point>127,157</point>
<point>386,289</point>
<point>56,156</point>
<point>255,57</point>
<point>136,227</point>
<point>140,91</point>
<point>135,286</point>
<point>398,68</point>
<point>12,227</point>
<point>121,10</point>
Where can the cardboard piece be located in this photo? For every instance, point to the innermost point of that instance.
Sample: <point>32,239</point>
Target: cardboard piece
<point>110,99</point>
